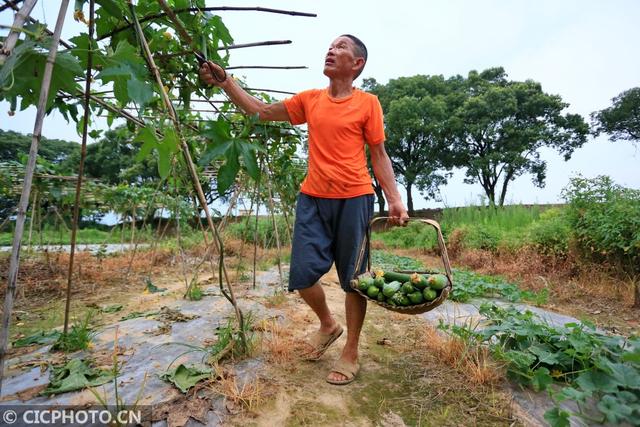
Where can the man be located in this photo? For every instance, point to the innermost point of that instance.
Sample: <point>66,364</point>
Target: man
<point>335,202</point>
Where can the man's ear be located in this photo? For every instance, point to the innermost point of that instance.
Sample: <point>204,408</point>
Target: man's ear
<point>358,63</point>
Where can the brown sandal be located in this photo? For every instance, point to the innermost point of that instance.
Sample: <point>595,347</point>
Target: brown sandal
<point>349,370</point>
<point>320,342</point>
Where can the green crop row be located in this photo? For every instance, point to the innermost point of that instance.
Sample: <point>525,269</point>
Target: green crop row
<point>573,362</point>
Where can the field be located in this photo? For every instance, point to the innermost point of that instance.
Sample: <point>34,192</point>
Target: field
<point>497,255</point>
<point>181,310</point>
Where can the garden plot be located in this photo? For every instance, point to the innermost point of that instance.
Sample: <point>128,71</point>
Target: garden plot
<point>146,348</point>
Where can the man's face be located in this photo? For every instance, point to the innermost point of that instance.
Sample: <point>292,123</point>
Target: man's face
<point>340,60</point>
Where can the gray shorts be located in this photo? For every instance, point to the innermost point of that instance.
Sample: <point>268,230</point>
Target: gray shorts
<point>328,231</point>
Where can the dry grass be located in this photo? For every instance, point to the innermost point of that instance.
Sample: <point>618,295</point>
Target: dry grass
<point>280,346</point>
<point>244,395</point>
<point>470,359</point>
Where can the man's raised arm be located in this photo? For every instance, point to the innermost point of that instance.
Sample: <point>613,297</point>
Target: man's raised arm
<point>247,103</point>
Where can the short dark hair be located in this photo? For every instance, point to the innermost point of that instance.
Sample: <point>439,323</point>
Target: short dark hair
<point>361,50</point>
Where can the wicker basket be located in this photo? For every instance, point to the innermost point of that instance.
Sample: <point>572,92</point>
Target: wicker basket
<point>412,309</point>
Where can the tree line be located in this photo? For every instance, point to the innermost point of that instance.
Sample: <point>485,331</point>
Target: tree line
<point>487,125</point>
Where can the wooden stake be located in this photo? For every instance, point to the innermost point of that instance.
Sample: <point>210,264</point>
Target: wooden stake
<point>14,34</point>
<point>189,161</point>
<point>14,262</point>
<point>83,156</point>
<point>275,230</point>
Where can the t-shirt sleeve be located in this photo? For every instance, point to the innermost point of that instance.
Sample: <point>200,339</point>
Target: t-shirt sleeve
<point>374,127</point>
<point>296,108</point>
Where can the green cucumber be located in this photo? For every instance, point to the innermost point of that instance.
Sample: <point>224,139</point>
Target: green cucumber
<point>438,281</point>
<point>392,276</point>
<point>407,288</point>
<point>419,281</point>
<point>364,283</point>
<point>379,282</point>
<point>429,294</point>
<point>391,288</point>
<point>416,297</point>
<point>373,292</point>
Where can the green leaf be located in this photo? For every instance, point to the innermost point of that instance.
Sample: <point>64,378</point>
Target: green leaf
<point>626,375</point>
<point>541,379</point>
<point>170,141</point>
<point>166,148</point>
<point>185,377</point>
<point>221,30</point>
<point>147,136</point>
<point>218,131</point>
<point>615,410</point>
<point>214,151</point>
<point>164,164</point>
<point>111,7</point>
<point>557,417</point>
<point>227,174</point>
<point>633,357</point>
<point>249,159</point>
<point>139,91</point>
<point>40,337</point>
<point>570,393</point>
<point>20,54</point>
<point>123,65</point>
<point>75,375</point>
<point>95,133</point>
<point>596,381</point>
<point>544,356</point>
<point>81,51</point>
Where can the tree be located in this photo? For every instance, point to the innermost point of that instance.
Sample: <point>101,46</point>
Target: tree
<point>113,159</point>
<point>14,145</point>
<point>500,127</point>
<point>622,119</point>
<point>416,116</point>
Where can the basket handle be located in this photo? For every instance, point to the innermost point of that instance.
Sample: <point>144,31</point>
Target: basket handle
<point>366,247</point>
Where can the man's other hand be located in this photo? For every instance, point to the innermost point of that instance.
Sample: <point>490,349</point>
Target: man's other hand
<point>398,213</point>
<point>207,75</point>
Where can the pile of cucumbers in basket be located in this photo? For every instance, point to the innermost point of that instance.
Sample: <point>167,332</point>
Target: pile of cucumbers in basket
<point>402,289</point>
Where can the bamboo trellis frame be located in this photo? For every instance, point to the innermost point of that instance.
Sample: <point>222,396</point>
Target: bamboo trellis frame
<point>89,98</point>
<point>26,189</point>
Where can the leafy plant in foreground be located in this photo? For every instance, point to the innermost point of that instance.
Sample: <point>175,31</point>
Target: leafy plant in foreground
<point>78,338</point>
<point>601,373</point>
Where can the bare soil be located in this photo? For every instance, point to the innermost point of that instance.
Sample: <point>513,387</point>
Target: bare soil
<point>403,380</point>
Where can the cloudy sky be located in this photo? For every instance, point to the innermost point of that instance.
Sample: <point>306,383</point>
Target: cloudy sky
<point>586,51</point>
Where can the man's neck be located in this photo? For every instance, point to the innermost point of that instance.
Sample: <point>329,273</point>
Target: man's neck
<point>340,88</point>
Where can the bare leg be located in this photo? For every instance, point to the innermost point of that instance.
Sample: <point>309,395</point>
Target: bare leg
<point>314,297</point>
<point>356,308</point>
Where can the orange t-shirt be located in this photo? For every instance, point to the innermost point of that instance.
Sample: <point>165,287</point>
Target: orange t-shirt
<point>338,130</point>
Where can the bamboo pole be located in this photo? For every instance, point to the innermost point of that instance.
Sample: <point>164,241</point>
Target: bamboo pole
<point>208,9</point>
<point>34,206</point>
<point>9,4</point>
<point>275,230</point>
<point>12,38</point>
<point>255,231</point>
<point>26,188</point>
<point>83,156</point>
<point>187,157</point>
<point>13,5</point>
<point>268,67</point>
